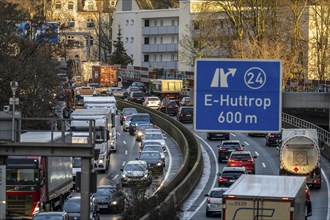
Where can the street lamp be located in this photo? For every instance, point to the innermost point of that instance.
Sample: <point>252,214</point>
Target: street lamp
<point>13,86</point>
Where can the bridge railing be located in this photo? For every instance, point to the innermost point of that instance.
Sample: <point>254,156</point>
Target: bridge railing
<point>323,135</point>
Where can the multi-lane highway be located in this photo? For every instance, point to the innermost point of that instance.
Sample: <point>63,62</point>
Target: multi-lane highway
<point>267,163</point>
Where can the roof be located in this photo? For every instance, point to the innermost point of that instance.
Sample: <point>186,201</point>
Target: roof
<point>267,186</point>
<point>231,141</point>
<point>233,169</point>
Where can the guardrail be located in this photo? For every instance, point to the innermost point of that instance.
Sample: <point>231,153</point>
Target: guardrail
<point>323,135</point>
<point>176,191</point>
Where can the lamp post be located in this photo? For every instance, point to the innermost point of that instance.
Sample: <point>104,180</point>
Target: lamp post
<point>13,86</point>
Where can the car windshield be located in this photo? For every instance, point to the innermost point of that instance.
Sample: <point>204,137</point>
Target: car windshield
<point>48,217</point>
<point>240,157</point>
<point>141,118</point>
<point>153,99</point>
<point>135,167</point>
<point>129,118</point>
<point>143,127</point>
<point>230,145</point>
<point>235,174</point>
<point>153,136</point>
<point>187,110</point>
<point>129,111</point>
<point>72,206</point>
<point>217,193</point>
<point>149,156</point>
<point>153,148</point>
<point>104,191</point>
<point>135,89</point>
<point>138,94</point>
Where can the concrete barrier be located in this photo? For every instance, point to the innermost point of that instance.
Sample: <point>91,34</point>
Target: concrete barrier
<point>175,192</point>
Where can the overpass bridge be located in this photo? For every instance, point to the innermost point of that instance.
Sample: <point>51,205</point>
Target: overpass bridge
<point>310,106</point>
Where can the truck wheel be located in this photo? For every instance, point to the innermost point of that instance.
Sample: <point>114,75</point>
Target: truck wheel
<point>219,160</point>
<point>208,214</point>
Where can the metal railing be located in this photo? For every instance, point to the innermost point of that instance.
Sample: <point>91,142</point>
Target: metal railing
<point>323,135</point>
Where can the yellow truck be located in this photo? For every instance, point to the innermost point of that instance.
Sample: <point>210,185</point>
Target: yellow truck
<point>166,87</point>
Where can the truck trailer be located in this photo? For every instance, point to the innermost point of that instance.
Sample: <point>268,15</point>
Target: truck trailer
<point>80,125</point>
<point>37,183</point>
<point>171,88</point>
<point>300,155</point>
<point>266,197</point>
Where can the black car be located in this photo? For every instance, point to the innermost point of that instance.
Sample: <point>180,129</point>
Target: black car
<point>109,199</point>
<point>170,108</point>
<point>257,134</point>
<point>140,85</point>
<point>129,90</point>
<point>51,216</point>
<point>185,114</point>
<point>229,175</point>
<point>137,97</point>
<point>125,112</point>
<point>72,207</point>
<point>153,159</point>
<point>226,147</point>
<point>217,135</point>
<point>273,139</point>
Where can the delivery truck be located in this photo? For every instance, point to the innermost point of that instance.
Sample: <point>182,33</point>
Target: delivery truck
<point>171,88</point>
<point>80,125</point>
<point>300,155</point>
<point>37,183</point>
<point>266,197</point>
<point>105,75</point>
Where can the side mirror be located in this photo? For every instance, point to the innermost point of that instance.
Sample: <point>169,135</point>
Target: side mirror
<point>255,156</point>
<point>121,170</point>
<point>219,174</point>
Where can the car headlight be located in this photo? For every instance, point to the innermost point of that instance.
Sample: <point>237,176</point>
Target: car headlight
<point>123,175</point>
<point>101,161</point>
<point>139,133</point>
<point>159,164</point>
<point>145,175</point>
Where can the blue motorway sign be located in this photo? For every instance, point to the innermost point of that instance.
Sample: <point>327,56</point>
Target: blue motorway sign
<point>237,95</point>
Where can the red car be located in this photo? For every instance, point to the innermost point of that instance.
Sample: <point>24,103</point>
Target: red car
<point>242,159</point>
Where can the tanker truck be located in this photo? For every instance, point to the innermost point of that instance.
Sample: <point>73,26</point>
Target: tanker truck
<point>300,155</point>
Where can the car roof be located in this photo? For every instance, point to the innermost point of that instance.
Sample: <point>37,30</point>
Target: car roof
<point>60,213</point>
<point>241,152</point>
<point>233,169</point>
<point>106,186</point>
<point>219,188</point>
<point>140,114</point>
<point>136,162</point>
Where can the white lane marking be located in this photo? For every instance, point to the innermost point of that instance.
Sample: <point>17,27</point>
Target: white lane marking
<point>124,163</point>
<point>246,143</point>
<point>204,180</point>
<point>264,165</point>
<point>233,134</point>
<point>168,169</point>
<point>124,142</point>
<point>256,153</point>
<point>118,133</point>
<point>328,186</point>
<point>116,176</point>
<point>126,152</point>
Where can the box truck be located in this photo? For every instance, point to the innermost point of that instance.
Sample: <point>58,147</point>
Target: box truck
<point>266,197</point>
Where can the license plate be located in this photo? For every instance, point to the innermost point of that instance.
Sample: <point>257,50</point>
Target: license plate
<point>103,206</point>
<point>231,181</point>
<point>188,114</point>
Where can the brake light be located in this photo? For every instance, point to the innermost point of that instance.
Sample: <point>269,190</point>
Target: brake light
<point>271,135</point>
<point>176,106</point>
<point>231,161</point>
<point>240,149</point>
<point>147,103</point>
<point>222,149</point>
<point>208,200</point>
<point>223,179</point>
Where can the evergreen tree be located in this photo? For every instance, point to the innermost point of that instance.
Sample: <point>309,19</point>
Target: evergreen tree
<point>119,56</point>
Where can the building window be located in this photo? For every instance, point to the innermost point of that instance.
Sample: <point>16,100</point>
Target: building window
<point>155,57</point>
<point>71,23</point>
<point>58,5</point>
<point>172,57</point>
<point>90,23</point>
<point>132,39</point>
<point>132,21</point>
<point>155,23</point>
<point>161,40</point>
<point>161,57</point>
<point>126,22</point>
<point>146,40</point>
<point>146,23</point>
<point>70,6</point>
<point>146,58</point>
<point>173,22</point>
<point>126,40</point>
<point>155,40</point>
<point>70,40</point>
<point>173,39</point>
<point>91,40</point>
<point>161,23</point>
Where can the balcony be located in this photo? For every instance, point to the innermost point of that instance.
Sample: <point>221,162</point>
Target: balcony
<point>162,30</point>
<point>155,48</point>
<point>161,64</point>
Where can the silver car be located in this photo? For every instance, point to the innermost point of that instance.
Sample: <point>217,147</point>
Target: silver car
<point>155,147</point>
<point>214,200</point>
<point>154,136</point>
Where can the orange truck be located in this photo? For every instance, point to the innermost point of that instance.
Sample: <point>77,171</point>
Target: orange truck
<point>105,75</point>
